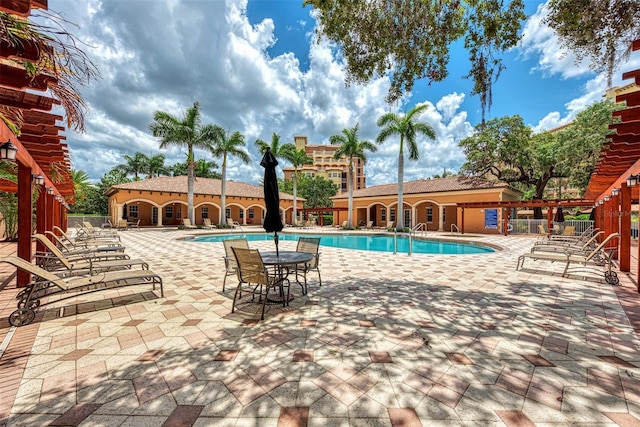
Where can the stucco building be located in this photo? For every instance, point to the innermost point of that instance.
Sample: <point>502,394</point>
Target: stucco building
<point>163,201</point>
<point>326,166</point>
<point>431,202</point>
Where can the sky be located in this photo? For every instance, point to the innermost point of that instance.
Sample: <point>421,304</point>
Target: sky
<point>258,67</point>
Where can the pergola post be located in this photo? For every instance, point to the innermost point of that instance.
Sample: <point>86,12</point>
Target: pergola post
<point>41,216</point>
<point>625,227</point>
<point>25,221</point>
<point>615,219</point>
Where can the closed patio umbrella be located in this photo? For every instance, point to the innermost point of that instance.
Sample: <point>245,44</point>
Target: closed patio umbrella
<point>559,215</point>
<point>124,211</point>
<point>272,221</point>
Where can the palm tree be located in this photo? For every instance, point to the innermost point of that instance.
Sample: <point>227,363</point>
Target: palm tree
<point>297,158</point>
<point>224,145</point>
<point>350,147</point>
<point>134,165</point>
<point>408,129</point>
<point>277,149</point>
<point>188,132</point>
<point>80,183</point>
<point>207,169</point>
<point>155,165</point>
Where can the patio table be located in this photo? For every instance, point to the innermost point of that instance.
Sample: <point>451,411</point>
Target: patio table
<point>284,262</point>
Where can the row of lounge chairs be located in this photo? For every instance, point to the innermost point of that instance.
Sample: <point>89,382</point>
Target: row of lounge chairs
<point>91,261</point>
<point>583,250</point>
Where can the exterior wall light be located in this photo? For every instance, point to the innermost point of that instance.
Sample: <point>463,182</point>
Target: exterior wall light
<point>632,181</point>
<point>8,151</point>
<point>38,179</point>
<point>607,198</point>
<point>615,191</point>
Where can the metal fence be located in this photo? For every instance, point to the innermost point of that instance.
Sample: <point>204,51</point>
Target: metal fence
<point>96,221</point>
<point>530,226</point>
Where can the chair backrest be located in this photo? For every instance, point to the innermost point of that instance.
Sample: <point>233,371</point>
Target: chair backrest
<point>590,242</point>
<point>88,226</point>
<point>186,222</point>
<point>541,229</point>
<point>53,249</point>
<point>56,240</point>
<point>250,266</point>
<point>344,224</point>
<point>234,243</point>
<point>569,230</point>
<point>602,245</point>
<point>309,245</point>
<point>369,224</point>
<point>35,270</point>
<point>207,222</point>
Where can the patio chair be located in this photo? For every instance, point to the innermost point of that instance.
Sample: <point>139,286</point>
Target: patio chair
<point>542,232</point>
<point>252,272</point>
<point>369,225</point>
<point>83,237</point>
<point>233,224</point>
<point>88,229</point>
<point>207,223</point>
<point>309,245</point>
<point>567,246</point>
<point>230,264</point>
<point>186,223</point>
<point>601,254</point>
<point>47,284</point>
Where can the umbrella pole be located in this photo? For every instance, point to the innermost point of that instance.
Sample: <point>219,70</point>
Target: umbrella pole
<point>275,239</point>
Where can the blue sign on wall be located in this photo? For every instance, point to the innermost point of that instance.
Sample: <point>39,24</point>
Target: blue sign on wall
<point>491,218</point>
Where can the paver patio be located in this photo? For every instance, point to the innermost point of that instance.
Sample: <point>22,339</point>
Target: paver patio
<point>388,340</point>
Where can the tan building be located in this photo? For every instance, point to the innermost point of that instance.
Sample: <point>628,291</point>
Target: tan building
<point>431,203</point>
<point>326,166</point>
<point>163,201</point>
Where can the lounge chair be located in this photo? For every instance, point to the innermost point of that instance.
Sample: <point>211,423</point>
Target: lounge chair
<point>47,284</point>
<point>186,223</point>
<point>569,236</point>
<point>344,224</point>
<point>598,255</point>
<point>369,225</point>
<point>88,263</point>
<point>69,247</point>
<point>207,224</point>
<point>567,246</point>
<point>309,245</point>
<point>252,272</point>
<point>230,264</point>
<point>233,224</point>
<point>86,239</point>
<point>86,228</point>
<point>542,232</point>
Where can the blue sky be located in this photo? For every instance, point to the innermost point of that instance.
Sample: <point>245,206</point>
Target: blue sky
<point>256,67</point>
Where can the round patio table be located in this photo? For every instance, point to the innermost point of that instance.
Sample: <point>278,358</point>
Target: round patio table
<point>283,262</point>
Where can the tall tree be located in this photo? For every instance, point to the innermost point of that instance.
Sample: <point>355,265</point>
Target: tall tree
<point>350,146</point>
<point>412,39</point>
<point>317,190</point>
<point>278,150</point>
<point>407,128</point>
<point>186,131</point>
<point>81,183</point>
<point>598,30</point>
<point>225,144</point>
<point>154,165</point>
<point>134,165</point>
<point>207,169</point>
<point>297,158</point>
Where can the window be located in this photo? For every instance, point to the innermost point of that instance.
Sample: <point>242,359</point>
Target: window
<point>383,215</point>
<point>168,212</point>
<point>251,213</point>
<point>154,215</point>
<point>227,212</point>
<point>205,212</point>
<point>392,214</point>
<point>178,212</point>
<point>444,214</point>
<point>241,213</point>
<point>133,211</point>
<point>430,214</point>
<point>407,217</point>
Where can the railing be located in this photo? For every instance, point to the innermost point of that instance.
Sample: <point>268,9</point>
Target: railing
<point>420,226</point>
<point>455,227</point>
<point>530,226</point>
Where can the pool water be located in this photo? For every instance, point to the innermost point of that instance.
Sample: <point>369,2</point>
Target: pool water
<point>362,242</point>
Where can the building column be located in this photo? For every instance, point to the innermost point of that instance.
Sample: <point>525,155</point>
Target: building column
<point>440,219</point>
<point>244,216</point>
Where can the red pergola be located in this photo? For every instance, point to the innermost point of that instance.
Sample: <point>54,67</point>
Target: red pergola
<point>40,148</point>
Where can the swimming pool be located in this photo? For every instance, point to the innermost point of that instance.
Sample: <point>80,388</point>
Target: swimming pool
<point>381,243</point>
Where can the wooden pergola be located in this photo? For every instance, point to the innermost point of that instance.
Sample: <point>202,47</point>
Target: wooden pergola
<point>42,159</point>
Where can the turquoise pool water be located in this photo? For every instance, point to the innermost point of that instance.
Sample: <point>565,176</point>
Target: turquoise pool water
<point>380,243</point>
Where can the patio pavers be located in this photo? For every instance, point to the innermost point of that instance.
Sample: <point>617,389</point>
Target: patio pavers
<point>388,340</point>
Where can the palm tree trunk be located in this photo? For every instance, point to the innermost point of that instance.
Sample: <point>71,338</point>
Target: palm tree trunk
<point>399,216</point>
<point>295,196</point>
<point>190,186</point>
<point>350,204</point>
<point>223,191</point>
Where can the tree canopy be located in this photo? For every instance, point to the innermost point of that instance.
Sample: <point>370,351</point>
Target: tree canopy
<point>507,150</point>
<point>412,39</point>
<point>316,190</point>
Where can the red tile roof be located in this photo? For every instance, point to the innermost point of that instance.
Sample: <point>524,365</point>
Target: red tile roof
<point>205,186</point>
<point>439,185</point>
